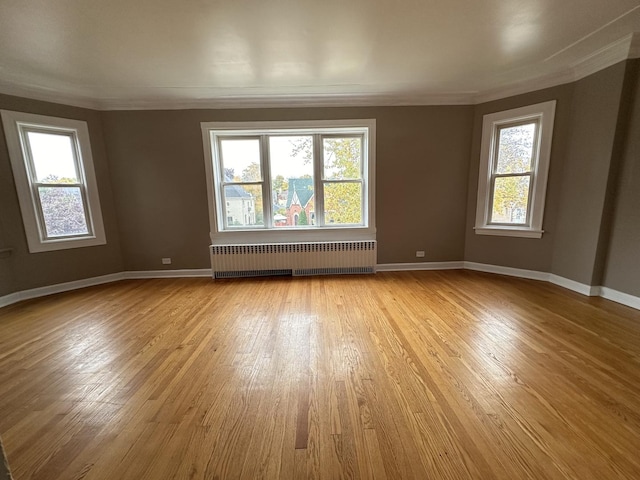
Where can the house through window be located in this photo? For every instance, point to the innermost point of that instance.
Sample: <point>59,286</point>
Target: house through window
<point>290,176</point>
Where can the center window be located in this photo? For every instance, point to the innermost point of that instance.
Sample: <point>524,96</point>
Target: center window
<point>290,177</point>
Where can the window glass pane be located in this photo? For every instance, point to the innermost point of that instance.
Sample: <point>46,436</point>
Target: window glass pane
<point>343,203</point>
<point>342,158</point>
<point>243,205</point>
<point>291,160</point>
<point>241,159</point>
<point>53,157</point>
<point>515,148</point>
<point>63,211</point>
<point>510,200</point>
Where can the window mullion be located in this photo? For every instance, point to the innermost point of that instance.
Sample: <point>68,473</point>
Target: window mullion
<point>267,201</point>
<point>37,206</point>
<point>318,169</point>
<point>507,175</point>
<point>219,167</point>
<point>495,146</point>
<point>61,185</point>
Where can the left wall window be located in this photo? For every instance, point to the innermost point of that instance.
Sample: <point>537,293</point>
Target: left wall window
<point>55,181</point>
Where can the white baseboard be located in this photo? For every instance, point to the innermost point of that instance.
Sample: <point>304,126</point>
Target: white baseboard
<point>582,288</point>
<point>512,272</point>
<point>59,288</point>
<point>10,299</point>
<point>620,297</point>
<point>185,273</point>
<point>89,282</point>
<point>589,290</point>
<point>401,267</point>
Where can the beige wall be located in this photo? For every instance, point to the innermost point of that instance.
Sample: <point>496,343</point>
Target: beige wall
<point>590,132</point>
<point>581,211</point>
<point>158,176</point>
<point>525,253</point>
<point>151,177</point>
<point>622,263</point>
<point>23,270</point>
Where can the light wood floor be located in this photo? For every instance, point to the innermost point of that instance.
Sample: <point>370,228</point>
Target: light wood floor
<point>426,375</point>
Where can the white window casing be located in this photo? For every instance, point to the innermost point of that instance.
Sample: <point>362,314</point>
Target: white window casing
<point>224,233</point>
<point>542,116</point>
<point>19,128</point>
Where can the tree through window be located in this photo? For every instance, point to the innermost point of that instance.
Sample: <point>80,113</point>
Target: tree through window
<point>53,169</point>
<point>297,178</point>
<point>514,162</point>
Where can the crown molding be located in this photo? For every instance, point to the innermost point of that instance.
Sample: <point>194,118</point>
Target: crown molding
<point>34,92</point>
<point>625,48</point>
<point>605,57</point>
<point>634,47</point>
<point>527,86</point>
<point>291,101</point>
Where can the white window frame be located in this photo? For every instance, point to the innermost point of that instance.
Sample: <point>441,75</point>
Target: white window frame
<point>543,114</point>
<point>16,125</point>
<point>212,131</point>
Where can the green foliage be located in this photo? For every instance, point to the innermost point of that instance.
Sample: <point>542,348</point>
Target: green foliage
<point>280,184</point>
<point>343,201</point>
<point>342,161</point>
<point>256,192</point>
<point>515,148</point>
<point>63,211</point>
<point>511,194</point>
<point>302,219</point>
<point>510,199</point>
<point>252,173</point>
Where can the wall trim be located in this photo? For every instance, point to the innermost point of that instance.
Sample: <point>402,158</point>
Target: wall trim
<point>604,57</point>
<point>185,273</point>
<point>10,299</point>
<point>401,267</point>
<point>90,282</point>
<point>510,271</point>
<point>627,47</point>
<point>582,288</point>
<point>588,290</point>
<point>620,297</point>
<point>59,288</point>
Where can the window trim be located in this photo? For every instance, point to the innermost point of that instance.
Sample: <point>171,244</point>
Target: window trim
<point>543,113</point>
<point>366,231</point>
<point>16,124</point>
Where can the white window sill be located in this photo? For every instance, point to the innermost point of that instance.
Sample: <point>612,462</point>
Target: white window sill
<point>290,235</point>
<point>66,243</point>
<point>509,232</point>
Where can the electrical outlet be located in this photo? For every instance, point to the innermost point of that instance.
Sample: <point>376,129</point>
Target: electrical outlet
<point>166,261</point>
<point>420,253</point>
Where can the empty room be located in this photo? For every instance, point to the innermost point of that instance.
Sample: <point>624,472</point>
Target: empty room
<point>294,240</point>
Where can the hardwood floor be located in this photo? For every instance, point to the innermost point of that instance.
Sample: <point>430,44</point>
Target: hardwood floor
<point>426,375</point>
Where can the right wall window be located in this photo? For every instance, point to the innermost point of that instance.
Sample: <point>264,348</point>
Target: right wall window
<point>514,165</point>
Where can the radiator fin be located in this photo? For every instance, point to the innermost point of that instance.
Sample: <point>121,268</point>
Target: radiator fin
<point>252,273</point>
<point>333,271</point>
<point>317,258</point>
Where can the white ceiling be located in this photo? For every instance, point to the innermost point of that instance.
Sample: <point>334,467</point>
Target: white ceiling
<point>226,53</point>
